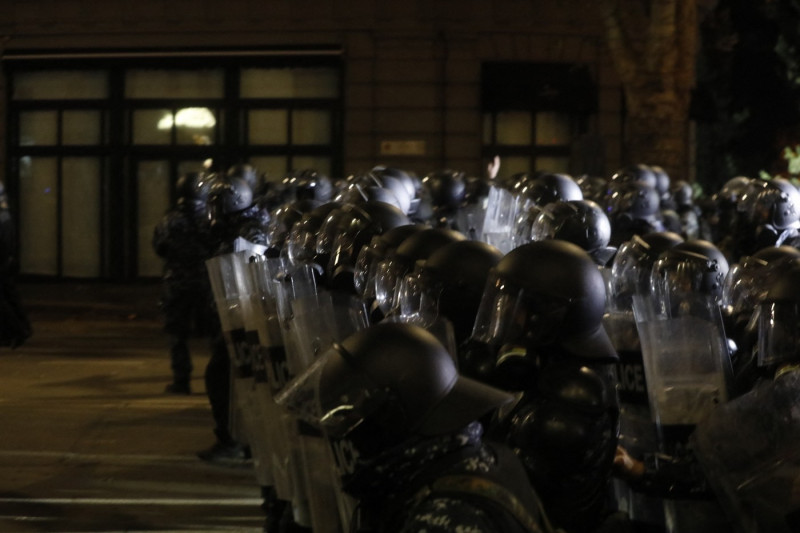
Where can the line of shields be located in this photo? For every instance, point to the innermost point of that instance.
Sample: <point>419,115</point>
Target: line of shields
<point>277,321</point>
<point>747,446</point>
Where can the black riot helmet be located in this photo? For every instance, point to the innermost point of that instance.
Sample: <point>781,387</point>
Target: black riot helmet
<point>580,222</point>
<point>545,294</point>
<point>731,191</point>
<point>662,180</point>
<point>246,172</point>
<point>386,384</point>
<point>517,182</point>
<point>283,219</point>
<point>634,200</point>
<point>632,267</point>
<point>227,198</point>
<point>550,187</point>
<point>449,284</point>
<point>446,188</point>
<point>396,265</point>
<point>633,173</point>
<point>310,184</point>
<point>301,243</point>
<point>681,273</point>
<point>775,202</point>
<point>376,251</point>
<point>779,320</point>
<point>372,187</point>
<point>710,251</point>
<point>355,227</point>
<point>192,191</point>
<point>593,187</point>
<point>391,177</point>
<point>682,193</point>
<point>748,281</point>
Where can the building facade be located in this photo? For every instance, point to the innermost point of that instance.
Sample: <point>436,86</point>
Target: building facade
<point>107,103</point>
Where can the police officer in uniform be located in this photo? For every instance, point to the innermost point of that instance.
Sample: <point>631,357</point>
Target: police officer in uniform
<point>402,424</point>
<point>540,323</point>
<point>233,215</point>
<point>748,446</point>
<point>182,238</point>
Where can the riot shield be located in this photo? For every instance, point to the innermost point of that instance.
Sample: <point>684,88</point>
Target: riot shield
<point>270,371</point>
<point>637,432</point>
<point>749,450</point>
<point>470,219</point>
<point>248,384</point>
<point>500,219</point>
<point>687,370</point>
<point>312,319</point>
<point>686,360</point>
<point>225,272</point>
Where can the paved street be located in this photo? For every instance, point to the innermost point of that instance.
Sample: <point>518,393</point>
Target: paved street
<point>88,440</point>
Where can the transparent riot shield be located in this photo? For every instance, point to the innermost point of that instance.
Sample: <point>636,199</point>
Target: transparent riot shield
<point>270,371</point>
<point>225,272</point>
<point>312,319</point>
<point>637,432</point>
<point>500,219</point>
<point>749,450</point>
<point>687,370</point>
<point>248,383</point>
<point>470,220</point>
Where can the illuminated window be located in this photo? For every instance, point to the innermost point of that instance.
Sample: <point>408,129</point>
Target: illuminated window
<point>96,149</point>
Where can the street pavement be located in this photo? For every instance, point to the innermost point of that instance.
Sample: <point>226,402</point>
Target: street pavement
<point>89,442</point>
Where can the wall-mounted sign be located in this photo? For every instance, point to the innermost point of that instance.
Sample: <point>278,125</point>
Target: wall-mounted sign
<point>402,147</point>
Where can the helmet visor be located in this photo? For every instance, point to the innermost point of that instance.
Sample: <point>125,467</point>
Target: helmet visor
<point>366,263</point>
<point>328,232</point>
<point>745,285</point>
<point>630,274</point>
<point>332,394</point>
<point>418,298</point>
<point>678,275</point>
<point>301,245</point>
<point>388,275</point>
<point>510,314</point>
<point>778,333</point>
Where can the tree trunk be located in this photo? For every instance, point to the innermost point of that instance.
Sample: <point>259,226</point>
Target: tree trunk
<point>653,45</point>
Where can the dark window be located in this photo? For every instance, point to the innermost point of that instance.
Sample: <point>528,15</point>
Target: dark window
<point>532,114</point>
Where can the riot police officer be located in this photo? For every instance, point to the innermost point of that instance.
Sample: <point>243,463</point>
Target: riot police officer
<point>540,325</point>
<point>401,261</point>
<point>633,208</point>
<point>402,424</point>
<point>770,215</point>
<point>235,221</point>
<point>444,192</point>
<point>448,286</point>
<point>746,285</point>
<point>581,222</point>
<point>182,238</point>
<point>747,446</point>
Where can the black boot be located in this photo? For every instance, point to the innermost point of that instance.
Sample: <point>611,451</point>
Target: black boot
<point>226,452</point>
<point>288,525</point>
<point>273,510</point>
<point>179,386</point>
